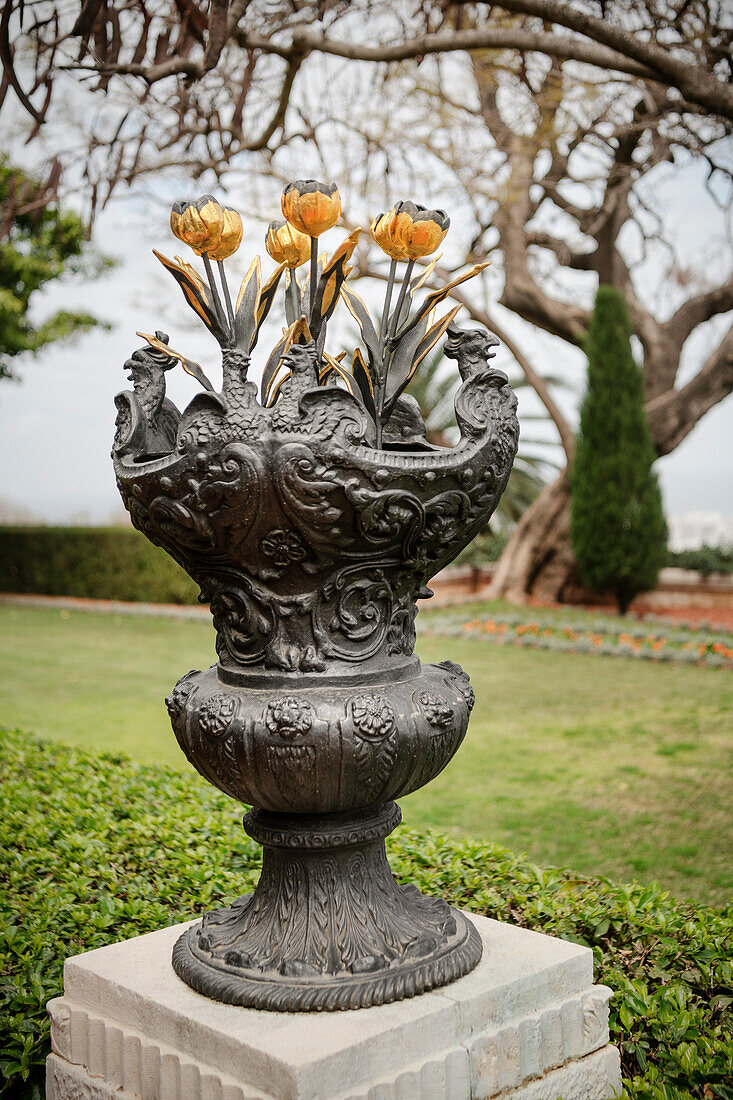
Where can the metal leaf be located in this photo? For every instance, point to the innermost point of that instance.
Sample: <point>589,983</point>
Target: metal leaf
<point>333,366</point>
<point>364,382</point>
<point>271,366</point>
<point>272,396</point>
<point>400,364</point>
<point>189,365</point>
<point>245,315</point>
<point>196,292</point>
<point>331,279</point>
<point>298,333</point>
<point>265,300</point>
<point>426,344</point>
<point>293,298</point>
<point>420,279</point>
<point>436,296</point>
<point>360,314</point>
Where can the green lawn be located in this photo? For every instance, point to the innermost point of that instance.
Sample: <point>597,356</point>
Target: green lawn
<point>620,768</point>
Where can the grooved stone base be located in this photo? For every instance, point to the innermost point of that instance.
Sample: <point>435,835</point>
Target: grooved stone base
<point>526,1024</point>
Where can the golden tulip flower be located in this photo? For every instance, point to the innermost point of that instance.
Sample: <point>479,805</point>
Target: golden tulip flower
<point>409,231</point>
<point>287,245</point>
<point>310,206</point>
<point>207,227</point>
<point>388,230</point>
<point>230,237</point>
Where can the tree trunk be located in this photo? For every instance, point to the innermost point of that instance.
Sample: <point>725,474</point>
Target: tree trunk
<point>537,561</point>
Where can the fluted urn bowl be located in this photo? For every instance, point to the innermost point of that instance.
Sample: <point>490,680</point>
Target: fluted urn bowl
<point>311,547</point>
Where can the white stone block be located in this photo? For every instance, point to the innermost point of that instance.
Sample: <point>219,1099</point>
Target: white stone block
<point>527,1023</point>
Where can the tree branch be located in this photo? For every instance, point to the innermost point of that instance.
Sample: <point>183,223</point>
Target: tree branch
<point>693,80</point>
<point>674,414</point>
<point>697,310</point>
<point>304,41</point>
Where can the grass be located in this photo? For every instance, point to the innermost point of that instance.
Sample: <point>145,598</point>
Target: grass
<point>614,768</point>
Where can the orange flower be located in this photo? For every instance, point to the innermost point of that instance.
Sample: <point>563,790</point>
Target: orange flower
<point>310,206</point>
<point>207,227</point>
<point>287,245</point>
<point>409,231</point>
<point>230,236</point>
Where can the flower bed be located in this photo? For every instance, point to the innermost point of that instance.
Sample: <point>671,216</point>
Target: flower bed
<point>652,642</point>
<point>98,849</point>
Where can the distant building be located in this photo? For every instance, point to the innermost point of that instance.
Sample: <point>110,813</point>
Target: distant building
<point>691,530</point>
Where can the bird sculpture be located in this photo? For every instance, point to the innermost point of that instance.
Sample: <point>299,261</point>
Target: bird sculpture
<point>147,421</point>
<point>471,349</point>
<point>302,362</point>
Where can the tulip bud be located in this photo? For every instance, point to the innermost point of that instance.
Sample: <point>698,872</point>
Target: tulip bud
<point>409,231</point>
<point>204,224</point>
<point>195,230</point>
<point>310,206</point>
<point>427,230</point>
<point>287,245</point>
<point>388,230</point>
<point>231,235</point>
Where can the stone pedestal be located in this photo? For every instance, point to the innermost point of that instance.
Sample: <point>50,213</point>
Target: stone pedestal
<point>526,1024</point>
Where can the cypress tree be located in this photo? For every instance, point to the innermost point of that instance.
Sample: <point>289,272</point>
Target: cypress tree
<point>617,526</point>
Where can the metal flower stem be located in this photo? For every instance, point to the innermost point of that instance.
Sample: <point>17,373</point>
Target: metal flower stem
<point>227,295</point>
<point>401,299</point>
<point>382,366</point>
<point>314,274</point>
<point>215,294</point>
<point>387,301</point>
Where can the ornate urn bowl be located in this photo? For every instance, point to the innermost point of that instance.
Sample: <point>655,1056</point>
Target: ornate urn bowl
<point>312,522</point>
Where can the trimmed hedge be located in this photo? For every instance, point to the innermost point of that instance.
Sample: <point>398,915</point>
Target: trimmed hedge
<point>105,563</point>
<point>98,849</point>
<point>706,560</point>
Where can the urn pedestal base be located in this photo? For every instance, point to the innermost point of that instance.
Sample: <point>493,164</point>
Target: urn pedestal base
<point>327,927</point>
<point>526,1024</point>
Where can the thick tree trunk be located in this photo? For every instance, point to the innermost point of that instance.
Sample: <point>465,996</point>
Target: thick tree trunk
<point>537,560</point>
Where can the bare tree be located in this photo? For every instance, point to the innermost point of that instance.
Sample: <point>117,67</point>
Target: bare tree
<point>547,122</point>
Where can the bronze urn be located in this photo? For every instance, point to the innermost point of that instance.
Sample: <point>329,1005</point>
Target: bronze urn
<point>312,519</point>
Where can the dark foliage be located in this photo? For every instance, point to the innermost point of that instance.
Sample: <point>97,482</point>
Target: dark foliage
<point>97,849</point>
<point>618,531</point>
<point>106,563</point>
<point>706,560</point>
<point>39,243</point>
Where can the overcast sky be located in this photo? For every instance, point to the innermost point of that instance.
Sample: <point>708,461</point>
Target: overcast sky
<point>57,425</point>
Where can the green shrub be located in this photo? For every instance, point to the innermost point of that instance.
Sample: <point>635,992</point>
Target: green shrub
<point>98,849</point>
<point>105,563</point>
<point>487,547</point>
<point>617,526</point>
<point>704,560</point>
